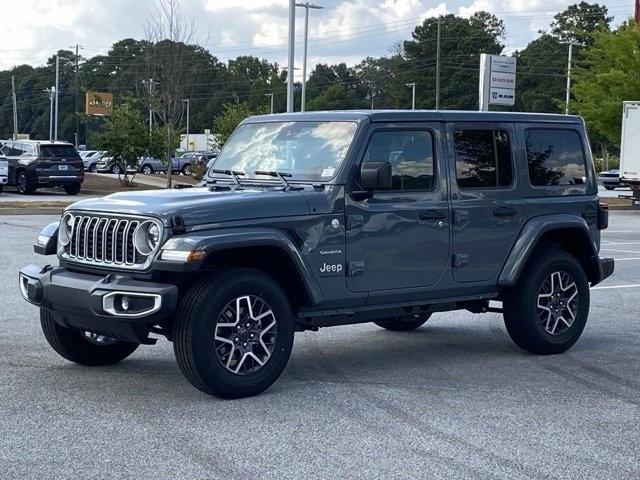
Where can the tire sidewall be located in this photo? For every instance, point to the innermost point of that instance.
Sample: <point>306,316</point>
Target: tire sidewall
<point>204,322</point>
<point>545,266</point>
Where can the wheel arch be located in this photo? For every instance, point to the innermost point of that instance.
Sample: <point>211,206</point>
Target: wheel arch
<point>566,232</point>
<point>270,251</point>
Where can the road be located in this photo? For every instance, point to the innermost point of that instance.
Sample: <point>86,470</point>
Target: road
<point>454,399</point>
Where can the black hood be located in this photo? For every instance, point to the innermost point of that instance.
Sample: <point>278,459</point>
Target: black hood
<point>199,206</point>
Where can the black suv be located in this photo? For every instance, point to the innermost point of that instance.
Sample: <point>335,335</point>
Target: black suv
<point>320,219</point>
<point>34,164</point>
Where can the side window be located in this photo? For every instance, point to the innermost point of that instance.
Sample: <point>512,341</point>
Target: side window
<point>410,154</point>
<point>17,149</point>
<point>555,157</point>
<point>483,159</point>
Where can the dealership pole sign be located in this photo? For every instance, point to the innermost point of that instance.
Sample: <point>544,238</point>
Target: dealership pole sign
<point>497,80</point>
<point>98,104</point>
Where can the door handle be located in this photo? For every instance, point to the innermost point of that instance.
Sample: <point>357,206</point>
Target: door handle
<point>432,215</point>
<point>505,212</point>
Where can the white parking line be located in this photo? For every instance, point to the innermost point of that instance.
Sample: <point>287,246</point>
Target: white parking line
<point>615,286</point>
<point>625,259</point>
<point>605,242</point>
<point>621,251</point>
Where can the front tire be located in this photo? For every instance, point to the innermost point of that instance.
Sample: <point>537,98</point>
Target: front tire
<point>186,170</point>
<point>404,324</point>
<point>24,185</point>
<point>147,170</point>
<point>609,188</point>
<point>115,169</point>
<point>233,333</point>
<point>84,348</point>
<point>93,168</point>
<point>547,310</point>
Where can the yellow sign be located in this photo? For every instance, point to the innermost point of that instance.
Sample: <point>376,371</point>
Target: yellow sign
<point>98,103</point>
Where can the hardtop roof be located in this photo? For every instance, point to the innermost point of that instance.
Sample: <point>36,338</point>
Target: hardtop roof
<point>416,116</point>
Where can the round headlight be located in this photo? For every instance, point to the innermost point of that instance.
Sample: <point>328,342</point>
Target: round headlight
<point>147,237</point>
<point>66,229</point>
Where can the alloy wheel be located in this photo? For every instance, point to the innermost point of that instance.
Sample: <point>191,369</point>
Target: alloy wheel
<point>557,303</point>
<point>245,335</point>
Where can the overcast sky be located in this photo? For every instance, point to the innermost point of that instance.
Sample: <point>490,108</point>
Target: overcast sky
<point>344,31</point>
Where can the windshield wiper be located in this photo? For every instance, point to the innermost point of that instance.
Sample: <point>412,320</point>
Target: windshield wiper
<point>280,175</point>
<point>235,174</point>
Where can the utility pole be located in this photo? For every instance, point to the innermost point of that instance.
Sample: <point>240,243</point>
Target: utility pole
<point>413,95</point>
<point>271,100</point>
<point>51,93</point>
<point>187,101</point>
<point>291,59</point>
<point>15,107</point>
<point>306,7</point>
<point>438,66</point>
<point>77,99</point>
<point>637,15</point>
<point>150,85</point>
<point>55,123</point>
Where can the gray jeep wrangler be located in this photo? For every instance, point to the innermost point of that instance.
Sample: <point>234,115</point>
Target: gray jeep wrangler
<point>319,219</point>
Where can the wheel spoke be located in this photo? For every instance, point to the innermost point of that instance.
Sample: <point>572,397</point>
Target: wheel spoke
<point>558,302</point>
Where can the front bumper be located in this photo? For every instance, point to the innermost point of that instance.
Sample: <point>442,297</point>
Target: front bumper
<point>86,301</point>
<point>4,180</point>
<point>604,269</point>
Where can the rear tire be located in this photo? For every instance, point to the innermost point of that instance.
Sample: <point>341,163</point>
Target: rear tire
<point>93,168</point>
<point>115,169</point>
<point>73,189</point>
<point>404,324</point>
<point>547,310</point>
<point>186,170</point>
<point>147,170</point>
<point>213,353</point>
<point>76,347</point>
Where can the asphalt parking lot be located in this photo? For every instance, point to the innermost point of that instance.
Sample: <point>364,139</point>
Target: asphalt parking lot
<point>453,399</point>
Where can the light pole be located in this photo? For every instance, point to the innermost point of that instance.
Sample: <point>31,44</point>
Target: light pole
<point>271,100</point>
<point>566,110</point>
<point>291,59</point>
<point>55,127</point>
<point>413,95</point>
<point>187,101</point>
<point>51,92</point>
<point>306,7</point>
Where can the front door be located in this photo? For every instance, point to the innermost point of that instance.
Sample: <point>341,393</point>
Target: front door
<point>399,238</point>
<point>486,198</point>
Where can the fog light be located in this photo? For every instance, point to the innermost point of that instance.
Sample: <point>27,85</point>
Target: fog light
<point>124,303</point>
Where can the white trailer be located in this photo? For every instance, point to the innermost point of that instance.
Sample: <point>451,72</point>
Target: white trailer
<point>630,147</point>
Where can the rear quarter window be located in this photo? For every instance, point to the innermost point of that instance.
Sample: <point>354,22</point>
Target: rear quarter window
<point>555,157</point>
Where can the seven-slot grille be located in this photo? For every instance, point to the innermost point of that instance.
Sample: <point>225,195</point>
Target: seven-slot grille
<point>104,240</point>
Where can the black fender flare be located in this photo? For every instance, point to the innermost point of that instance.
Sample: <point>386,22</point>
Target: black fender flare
<point>213,241</point>
<point>529,237</point>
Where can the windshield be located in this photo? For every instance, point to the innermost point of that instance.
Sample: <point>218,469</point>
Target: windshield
<point>311,151</point>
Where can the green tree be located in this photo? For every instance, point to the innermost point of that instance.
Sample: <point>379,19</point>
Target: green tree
<point>462,42</point>
<point>230,117</point>
<point>542,76</point>
<point>578,23</point>
<point>125,138</point>
<point>609,77</point>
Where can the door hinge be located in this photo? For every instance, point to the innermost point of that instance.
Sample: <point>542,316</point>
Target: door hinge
<point>460,260</point>
<point>355,268</point>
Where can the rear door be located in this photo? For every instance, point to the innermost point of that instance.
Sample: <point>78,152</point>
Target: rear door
<point>486,198</point>
<point>399,238</point>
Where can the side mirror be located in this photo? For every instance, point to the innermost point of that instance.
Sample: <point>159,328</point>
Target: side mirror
<point>375,175</point>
